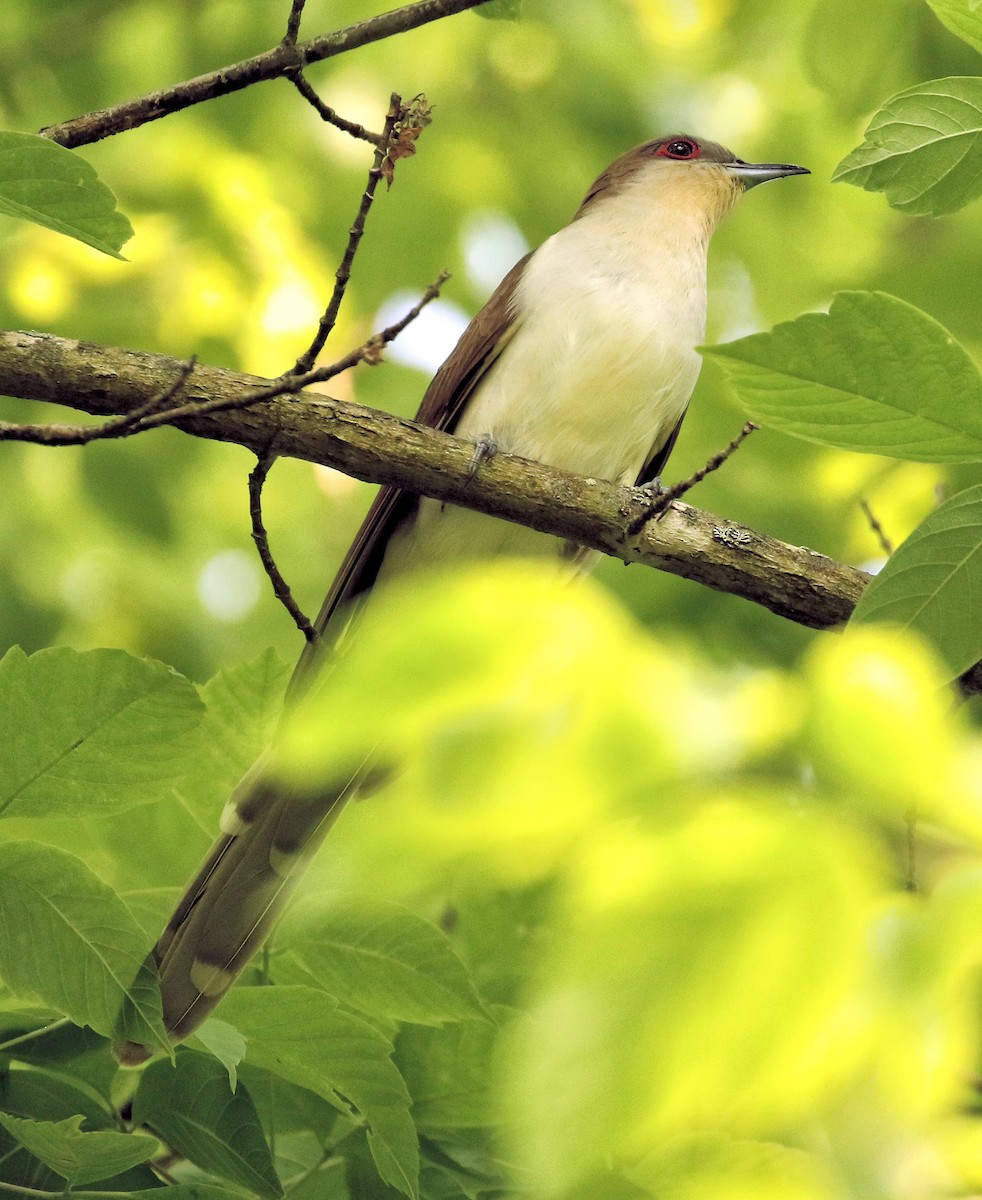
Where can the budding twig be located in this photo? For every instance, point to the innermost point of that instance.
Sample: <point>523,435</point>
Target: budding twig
<point>326,324</point>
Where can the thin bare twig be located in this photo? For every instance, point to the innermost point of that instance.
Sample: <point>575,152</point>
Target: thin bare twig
<point>369,352</point>
<point>281,61</point>
<point>330,115</point>
<point>661,502</point>
<point>885,544</point>
<point>150,415</point>
<point>293,22</point>
<point>326,324</point>
<point>122,426</point>
<point>305,362</point>
<point>281,590</point>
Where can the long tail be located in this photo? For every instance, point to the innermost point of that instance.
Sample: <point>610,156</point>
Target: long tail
<point>268,837</point>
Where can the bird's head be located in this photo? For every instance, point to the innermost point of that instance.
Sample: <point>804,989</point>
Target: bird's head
<point>684,173</point>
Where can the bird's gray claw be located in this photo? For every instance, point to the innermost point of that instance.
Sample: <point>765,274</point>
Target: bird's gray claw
<point>652,489</point>
<point>656,499</point>
<point>484,450</point>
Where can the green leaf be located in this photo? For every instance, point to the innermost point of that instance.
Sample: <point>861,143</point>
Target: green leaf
<point>875,375</point>
<point>297,1033</point>
<point>149,855</point>
<point>76,1156</point>
<point>192,1107</point>
<point>923,149</point>
<point>384,961</point>
<point>67,939</point>
<point>43,182</point>
<point>933,582</point>
<point>449,1074</point>
<point>226,1043</point>
<point>962,17</point>
<point>242,708</point>
<point>90,734</point>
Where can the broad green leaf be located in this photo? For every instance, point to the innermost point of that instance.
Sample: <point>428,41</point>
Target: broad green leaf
<point>693,971</point>
<point>298,1033</point>
<point>150,855</point>
<point>43,1095</point>
<point>192,1107</point>
<point>383,961</point>
<point>39,1095</point>
<point>43,182</point>
<point>226,1043</point>
<point>923,149</point>
<point>69,940</point>
<point>90,734</point>
<point>80,1157</point>
<point>242,707</point>
<point>875,375</point>
<point>932,583</point>
<point>449,1074</point>
<point>74,1051</point>
<point>962,17</point>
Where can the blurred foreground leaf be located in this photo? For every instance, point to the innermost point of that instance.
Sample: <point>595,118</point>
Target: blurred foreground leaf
<point>694,972</point>
<point>923,148</point>
<point>881,731</point>
<point>472,685</point>
<point>962,17</point>
<point>932,583</point>
<point>875,375</point>
<point>43,182</point>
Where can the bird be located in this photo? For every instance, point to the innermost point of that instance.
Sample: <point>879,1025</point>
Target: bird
<point>584,359</point>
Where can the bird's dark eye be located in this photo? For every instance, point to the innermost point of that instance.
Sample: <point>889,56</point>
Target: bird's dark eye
<point>679,148</point>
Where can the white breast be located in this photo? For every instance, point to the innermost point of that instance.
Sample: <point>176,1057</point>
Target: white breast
<point>601,365</point>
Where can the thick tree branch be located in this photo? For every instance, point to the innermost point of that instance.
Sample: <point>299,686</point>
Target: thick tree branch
<point>796,583</point>
<point>282,60</point>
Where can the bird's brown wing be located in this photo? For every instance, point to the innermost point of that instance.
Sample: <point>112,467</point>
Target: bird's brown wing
<point>655,462</point>
<point>479,346</point>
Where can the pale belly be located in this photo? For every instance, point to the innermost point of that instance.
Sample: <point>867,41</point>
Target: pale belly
<point>600,422</point>
<point>599,372</point>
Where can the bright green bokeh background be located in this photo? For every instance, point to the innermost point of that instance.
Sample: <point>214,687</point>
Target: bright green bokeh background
<point>691,873</point>
<point>241,209</point>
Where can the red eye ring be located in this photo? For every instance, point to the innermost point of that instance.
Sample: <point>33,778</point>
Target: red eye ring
<point>680,148</point>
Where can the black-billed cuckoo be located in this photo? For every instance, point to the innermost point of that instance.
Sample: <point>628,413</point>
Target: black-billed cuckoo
<point>584,358</point>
